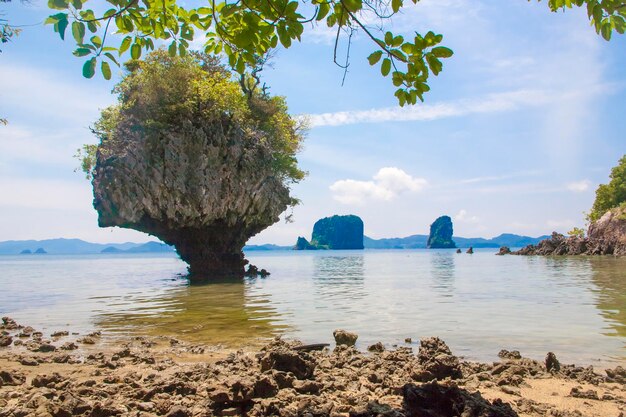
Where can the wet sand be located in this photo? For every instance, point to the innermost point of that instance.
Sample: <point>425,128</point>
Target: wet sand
<point>65,375</point>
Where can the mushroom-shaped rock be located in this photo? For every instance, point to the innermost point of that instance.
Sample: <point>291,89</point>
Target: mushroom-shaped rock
<point>203,169</point>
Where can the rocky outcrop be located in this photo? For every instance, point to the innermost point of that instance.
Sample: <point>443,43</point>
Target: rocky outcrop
<point>343,337</point>
<point>504,250</point>
<point>303,244</point>
<point>606,236</point>
<point>203,186</point>
<point>336,232</point>
<point>441,234</point>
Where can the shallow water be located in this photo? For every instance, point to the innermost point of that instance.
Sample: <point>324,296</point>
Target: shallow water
<point>477,303</point>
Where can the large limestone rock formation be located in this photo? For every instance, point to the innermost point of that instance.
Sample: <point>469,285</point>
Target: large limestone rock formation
<point>606,236</point>
<point>336,232</point>
<point>203,186</point>
<point>441,234</point>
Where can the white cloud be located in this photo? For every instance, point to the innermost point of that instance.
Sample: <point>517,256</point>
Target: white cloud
<point>22,144</point>
<point>492,103</point>
<point>46,96</point>
<point>387,184</point>
<point>45,194</point>
<point>463,217</point>
<point>579,186</point>
<point>560,224</point>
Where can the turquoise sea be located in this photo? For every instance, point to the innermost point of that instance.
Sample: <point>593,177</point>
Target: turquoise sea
<point>479,304</point>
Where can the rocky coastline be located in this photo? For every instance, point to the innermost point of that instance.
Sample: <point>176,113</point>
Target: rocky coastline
<point>165,377</point>
<point>606,236</point>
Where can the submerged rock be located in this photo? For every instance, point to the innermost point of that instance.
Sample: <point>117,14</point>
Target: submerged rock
<point>441,234</point>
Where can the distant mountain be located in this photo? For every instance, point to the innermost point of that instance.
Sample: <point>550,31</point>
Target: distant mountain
<point>77,246</point>
<point>149,247</point>
<point>419,241</point>
<point>265,247</point>
<point>409,242</point>
<point>59,246</point>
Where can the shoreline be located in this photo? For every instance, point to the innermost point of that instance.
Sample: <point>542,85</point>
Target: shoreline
<point>153,376</point>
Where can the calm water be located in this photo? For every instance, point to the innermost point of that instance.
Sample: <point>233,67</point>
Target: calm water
<point>479,304</point>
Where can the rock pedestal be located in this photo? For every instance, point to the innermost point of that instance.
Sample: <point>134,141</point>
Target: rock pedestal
<point>204,186</point>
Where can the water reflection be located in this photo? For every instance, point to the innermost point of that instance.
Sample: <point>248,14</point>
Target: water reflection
<point>442,270</point>
<point>339,277</point>
<point>227,312</point>
<point>610,277</point>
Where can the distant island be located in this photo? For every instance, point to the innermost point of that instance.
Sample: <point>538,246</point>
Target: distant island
<point>441,232</point>
<point>81,247</point>
<point>336,232</point>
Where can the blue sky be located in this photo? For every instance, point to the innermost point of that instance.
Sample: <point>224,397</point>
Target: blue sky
<point>519,129</point>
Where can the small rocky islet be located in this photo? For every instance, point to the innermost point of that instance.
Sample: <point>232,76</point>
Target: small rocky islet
<point>167,377</point>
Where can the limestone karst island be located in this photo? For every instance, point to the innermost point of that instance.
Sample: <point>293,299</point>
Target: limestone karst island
<point>332,208</point>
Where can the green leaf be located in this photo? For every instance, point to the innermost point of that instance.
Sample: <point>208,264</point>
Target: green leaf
<point>54,19</point>
<point>57,4</point>
<point>324,8</point>
<point>89,68</point>
<point>435,65</point>
<point>106,70</point>
<point>78,31</point>
<point>171,50</point>
<point>285,40</point>
<point>353,5</point>
<point>62,26</point>
<point>135,51</point>
<point>385,67</point>
<point>388,38</point>
<point>397,41</point>
<point>442,52</point>
<point>112,58</point>
<point>96,41</point>
<point>375,57</point>
<point>82,52</point>
<point>395,5</point>
<point>125,45</point>
<point>606,30</point>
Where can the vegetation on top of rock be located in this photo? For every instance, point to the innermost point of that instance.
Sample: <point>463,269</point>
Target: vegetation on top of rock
<point>195,158</point>
<point>611,195</point>
<point>338,232</point>
<point>441,234</point>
